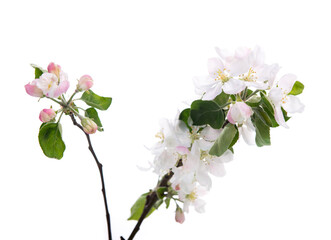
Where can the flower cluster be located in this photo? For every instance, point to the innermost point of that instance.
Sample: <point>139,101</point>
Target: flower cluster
<point>53,84</point>
<point>241,97</point>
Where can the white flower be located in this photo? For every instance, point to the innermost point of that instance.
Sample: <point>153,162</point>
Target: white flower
<point>247,131</point>
<point>249,65</point>
<point>219,79</point>
<point>279,98</point>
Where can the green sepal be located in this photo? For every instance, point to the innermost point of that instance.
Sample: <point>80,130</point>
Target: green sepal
<point>50,140</point>
<point>207,112</point>
<point>297,88</point>
<point>93,114</point>
<point>38,71</point>
<point>224,140</point>
<point>96,101</point>
<point>138,208</point>
<point>167,202</point>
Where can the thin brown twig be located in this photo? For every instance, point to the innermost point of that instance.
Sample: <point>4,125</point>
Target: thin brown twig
<point>100,171</point>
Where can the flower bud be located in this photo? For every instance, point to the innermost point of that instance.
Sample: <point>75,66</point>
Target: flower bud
<point>33,90</point>
<point>47,115</point>
<point>84,83</point>
<point>180,217</point>
<point>89,125</point>
<point>54,68</point>
<point>239,113</point>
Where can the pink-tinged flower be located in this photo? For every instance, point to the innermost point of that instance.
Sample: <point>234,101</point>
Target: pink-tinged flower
<point>84,83</point>
<point>51,85</point>
<point>89,125</point>
<point>239,113</point>
<point>54,68</point>
<point>179,217</point>
<point>47,115</point>
<point>33,90</point>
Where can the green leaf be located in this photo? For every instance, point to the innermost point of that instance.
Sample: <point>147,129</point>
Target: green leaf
<point>297,88</point>
<point>268,108</point>
<point>93,114</point>
<point>184,116</point>
<point>224,141</point>
<point>264,117</point>
<point>38,71</point>
<point>254,101</point>
<point>138,208</point>
<point>207,112</point>
<point>262,137</point>
<point>222,99</point>
<point>94,100</point>
<point>285,115</point>
<point>235,139</point>
<point>50,140</point>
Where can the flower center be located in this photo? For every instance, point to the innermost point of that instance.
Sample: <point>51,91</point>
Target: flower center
<point>250,77</point>
<point>192,196</point>
<point>221,76</point>
<point>160,135</point>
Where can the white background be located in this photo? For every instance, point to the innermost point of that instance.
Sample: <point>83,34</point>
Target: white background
<point>144,55</point>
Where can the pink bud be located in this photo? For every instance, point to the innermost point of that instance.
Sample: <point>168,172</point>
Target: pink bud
<point>180,217</point>
<point>47,115</point>
<point>89,125</point>
<point>239,112</point>
<point>33,90</point>
<point>85,83</point>
<point>54,68</point>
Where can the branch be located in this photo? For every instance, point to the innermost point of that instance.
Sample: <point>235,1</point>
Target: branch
<point>152,198</point>
<point>100,171</point>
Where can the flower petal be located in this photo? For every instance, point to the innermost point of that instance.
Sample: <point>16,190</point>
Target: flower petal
<point>214,65</point>
<point>279,117</point>
<point>233,86</point>
<point>275,95</point>
<point>293,105</point>
<point>286,82</point>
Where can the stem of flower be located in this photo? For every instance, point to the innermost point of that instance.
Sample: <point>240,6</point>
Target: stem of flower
<point>100,171</point>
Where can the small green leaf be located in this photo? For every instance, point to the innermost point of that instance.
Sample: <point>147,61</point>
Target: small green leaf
<point>138,208</point>
<point>207,112</point>
<point>94,100</point>
<point>224,141</point>
<point>93,114</point>
<point>184,116</point>
<point>158,203</point>
<point>262,137</point>
<point>38,71</point>
<point>297,88</point>
<point>222,99</point>
<point>167,202</point>
<point>50,140</point>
